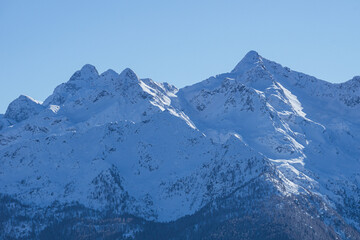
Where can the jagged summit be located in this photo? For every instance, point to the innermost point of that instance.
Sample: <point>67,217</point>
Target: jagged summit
<point>128,75</point>
<point>26,98</point>
<point>353,85</point>
<point>87,72</point>
<point>109,72</point>
<point>252,56</point>
<point>355,79</point>
<point>22,108</point>
<point>250,60</point>
<point>89,68</point>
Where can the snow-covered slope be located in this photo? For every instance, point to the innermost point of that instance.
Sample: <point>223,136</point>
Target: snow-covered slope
<point>128,146</point>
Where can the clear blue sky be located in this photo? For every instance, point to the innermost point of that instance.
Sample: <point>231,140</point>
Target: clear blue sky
<point>182,42</point>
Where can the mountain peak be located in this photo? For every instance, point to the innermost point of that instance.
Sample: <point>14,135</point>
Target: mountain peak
<point>89,68</point>
<point>22,108</point>
<point>87,72</point>
<point>252,55</point>
<point>109,72</point>
<point>356,78</point>
<point>128,76</point>
<point>251,59</point>
<point>353,83</point>
<point>26,98</point>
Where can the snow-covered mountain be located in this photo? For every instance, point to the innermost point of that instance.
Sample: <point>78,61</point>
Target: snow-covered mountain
<point>261,152</point>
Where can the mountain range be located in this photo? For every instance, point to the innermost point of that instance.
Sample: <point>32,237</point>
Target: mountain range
<point>260,152</point>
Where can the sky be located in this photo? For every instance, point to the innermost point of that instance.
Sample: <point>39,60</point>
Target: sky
<point>42,43</point>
